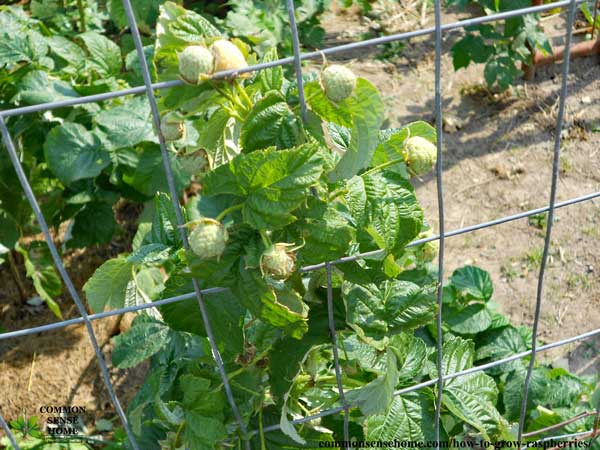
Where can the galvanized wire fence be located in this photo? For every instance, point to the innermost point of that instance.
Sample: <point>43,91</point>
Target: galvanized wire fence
<point>437,31</point>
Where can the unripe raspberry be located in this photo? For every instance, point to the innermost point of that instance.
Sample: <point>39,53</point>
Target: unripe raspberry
<point>172,127</point>
<point>277,261</point>
<point>420,154</point>
<point>195,61</point>
<point>227,56</point>
<point>208,239</point>
<point>193,163</point>
<point>338,82</point>
<point>429,250</point>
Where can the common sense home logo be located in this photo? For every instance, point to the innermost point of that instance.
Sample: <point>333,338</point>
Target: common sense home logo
<point>63,420</point>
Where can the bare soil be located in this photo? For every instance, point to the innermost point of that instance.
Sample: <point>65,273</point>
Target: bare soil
<point>498,159</point>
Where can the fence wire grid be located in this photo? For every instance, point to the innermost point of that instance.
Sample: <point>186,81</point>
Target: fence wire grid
<point>148,88</point>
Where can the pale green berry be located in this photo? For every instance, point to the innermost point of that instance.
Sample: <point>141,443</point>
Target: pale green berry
<point>338,82</point>
<point>194,62</point>
<point>429,250</point>
<point>193,163</point>
<point>277,262</point>
<point>420,154</point>
<point>227,56</point>
<point>172,128</point>
<point>208,239</point>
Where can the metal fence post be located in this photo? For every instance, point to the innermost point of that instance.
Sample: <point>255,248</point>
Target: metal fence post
<point>12,153</point>
<point>175,199</point>
<point>551,208</point>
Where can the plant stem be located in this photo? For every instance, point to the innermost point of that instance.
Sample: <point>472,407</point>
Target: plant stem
<point>178,433</point>
<point>263,445</point>
<point>233,113</point>
<point>240,89</point>
<point>81,9</point>
<point>17,276</point>
<point>237,372</point>
<point>266,240</point>
<point>337,193</point>
<point>341,341</point>
<point>229,210</point>
<point>383,166</point>
<point>235,101</point>
<point>330,379</point>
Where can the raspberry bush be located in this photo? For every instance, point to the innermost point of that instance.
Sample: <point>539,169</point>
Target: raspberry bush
<point>276,193</point>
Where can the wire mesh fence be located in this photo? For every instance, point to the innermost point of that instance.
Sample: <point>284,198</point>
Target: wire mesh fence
<point>148,89</point>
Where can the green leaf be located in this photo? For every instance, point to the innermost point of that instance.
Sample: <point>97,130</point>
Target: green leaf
<point>564,388</point>
<point>150,253</point>
<point>139,343</point>
<point>501,70</point>
<point>326,110</point>
<point>193,28</point>
<point>470,48</point>
<point>513,391</point>
<point>128,124</point>
<point>500,343</point>
<point>108,285</point>
<point>9,232</point>
<point>147,286</point>
<point>176,29</point>
<point>21,48</point>
<point>285,360</point>
<point>411,353</point>
<point>105,55</point>
<point>67,50</point>
<point>376,397</point>
<point>39,87</point>
<point>202,432</point>
<point>282,307</point>
<point>148,177</point>
<point>385,209</point>
<point>145,11</point>
<point>218,134</point>
<point>224,310</point>
<point>471,398</point>
<point>165,226</point>
<point>471,319</point>
<point>271,122</point>
<point>201,397</point>
<point>326,232</point>
<point>271,79</point>
<point>272,183</point>
<point>39,266</point>
<point>73,153</point>
<point>366,108</point>
<point>93,224</point>
<point>393,306</point>
<point>472,283</point>
<point>411,418</point>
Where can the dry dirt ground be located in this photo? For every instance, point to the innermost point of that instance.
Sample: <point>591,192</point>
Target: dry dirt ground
<point>497,162</point>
